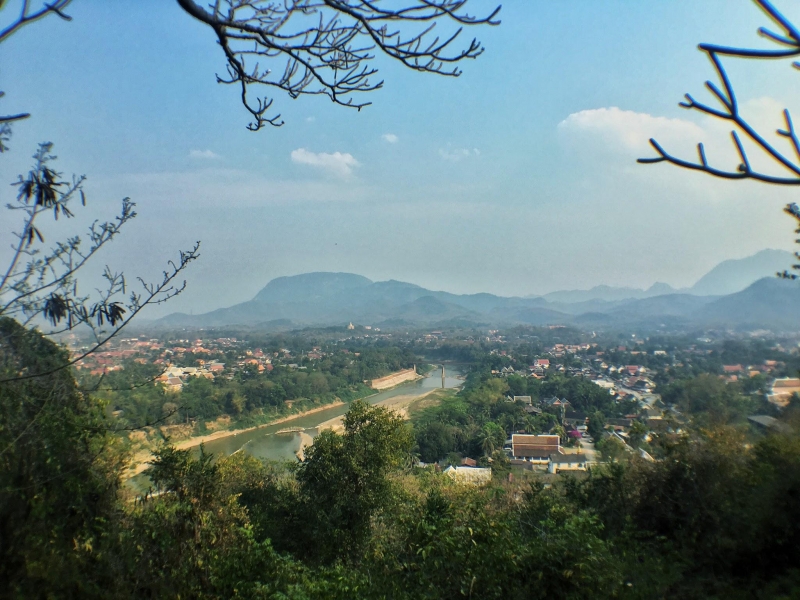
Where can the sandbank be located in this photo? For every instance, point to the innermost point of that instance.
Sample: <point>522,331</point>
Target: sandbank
<point>139,461</point>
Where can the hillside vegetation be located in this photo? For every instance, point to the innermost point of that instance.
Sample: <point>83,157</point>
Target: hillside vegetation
<point>714,518</point>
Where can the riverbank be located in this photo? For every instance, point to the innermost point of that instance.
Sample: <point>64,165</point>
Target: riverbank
<point>397,404</point>
<point>140,459</point>
<point>305,441</point>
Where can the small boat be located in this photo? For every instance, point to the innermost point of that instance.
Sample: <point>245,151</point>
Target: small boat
<point>291,430</point>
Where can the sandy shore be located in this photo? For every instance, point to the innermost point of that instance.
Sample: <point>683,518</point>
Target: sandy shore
<point>305,441</point>
<point>140,459</point>
<point>398,404</point>
<point>202,439</point>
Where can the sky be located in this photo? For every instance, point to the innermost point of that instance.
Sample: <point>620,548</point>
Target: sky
<point>517,178</point>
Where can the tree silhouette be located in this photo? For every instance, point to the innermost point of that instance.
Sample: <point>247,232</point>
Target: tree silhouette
<point>328,45</point>
<point>40,285</point>
<point>786,46</point>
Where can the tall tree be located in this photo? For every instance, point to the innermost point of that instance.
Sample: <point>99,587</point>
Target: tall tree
<point>58,471</point>
<point>344,479</point>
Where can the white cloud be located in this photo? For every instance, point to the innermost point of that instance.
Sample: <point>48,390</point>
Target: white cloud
<point>310,119</point>
<point>631,130</point>
<point>457,154</point>
<point>612,133</point>
<point>390,137</point>
<point>207,154</point>
<point>338,163</point>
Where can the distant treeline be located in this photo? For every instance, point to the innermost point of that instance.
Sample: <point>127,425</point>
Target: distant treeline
<point>249,397</point>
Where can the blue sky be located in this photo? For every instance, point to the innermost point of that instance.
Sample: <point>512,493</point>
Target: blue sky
<point>517,178</point>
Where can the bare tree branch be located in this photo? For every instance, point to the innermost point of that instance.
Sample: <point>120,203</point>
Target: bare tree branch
<point>328,44</point>
<point>26,16</point>
<point>729,110</point>
<point>154,293</point>
<point>788,161</point>
<point>43,284</point>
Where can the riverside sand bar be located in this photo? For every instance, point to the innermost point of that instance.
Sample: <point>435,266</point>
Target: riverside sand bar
<point>264,441</point>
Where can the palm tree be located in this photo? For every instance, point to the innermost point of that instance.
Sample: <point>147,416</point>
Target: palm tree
<point>486,440</point>
<point>531,424</point>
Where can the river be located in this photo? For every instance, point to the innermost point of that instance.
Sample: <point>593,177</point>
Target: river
<point>267,443</point>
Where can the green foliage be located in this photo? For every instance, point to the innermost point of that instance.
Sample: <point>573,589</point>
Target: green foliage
<point>250,398</point>
<point>344,479</point>
<point>434,440</point>
<point>478,421</point>
<point>710,400</point>
<point>469,423</point>
<point>637,433</point>
<point>611,448</point>
<point>716,517</point>
<point>58,472</point>
<point>596,425</point>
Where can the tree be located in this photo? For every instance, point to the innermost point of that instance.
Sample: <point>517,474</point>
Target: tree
<point>41,285</point>
<point>596,425</point>
<point>728,109</point>
<point>344,479</point>
<point>328,45</point>
<point>611,448</point>
<point>637,433</point>
<point>491,437</point>
<point>434,440</point>
<point>59,471</point>
<point>559,430</point>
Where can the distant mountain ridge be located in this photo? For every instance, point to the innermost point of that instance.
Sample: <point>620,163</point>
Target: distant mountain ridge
<point>732,276</point>
<point>728,277</point>
<point>609,293</point>
<point>338,298</point>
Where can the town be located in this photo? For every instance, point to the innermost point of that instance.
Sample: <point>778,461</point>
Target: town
<point>568,399</point>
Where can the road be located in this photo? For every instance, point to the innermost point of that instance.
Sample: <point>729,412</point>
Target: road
<point>589,451</point>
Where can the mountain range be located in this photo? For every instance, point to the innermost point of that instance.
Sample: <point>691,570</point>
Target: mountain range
<point>728,277</point>
<point>735,293</point>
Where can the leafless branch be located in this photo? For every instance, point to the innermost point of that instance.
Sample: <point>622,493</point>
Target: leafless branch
<point>328,45</point>
<point>729,110</point>
<point>154,293</point>
<point>26,16</point>
<point>40,284</point>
